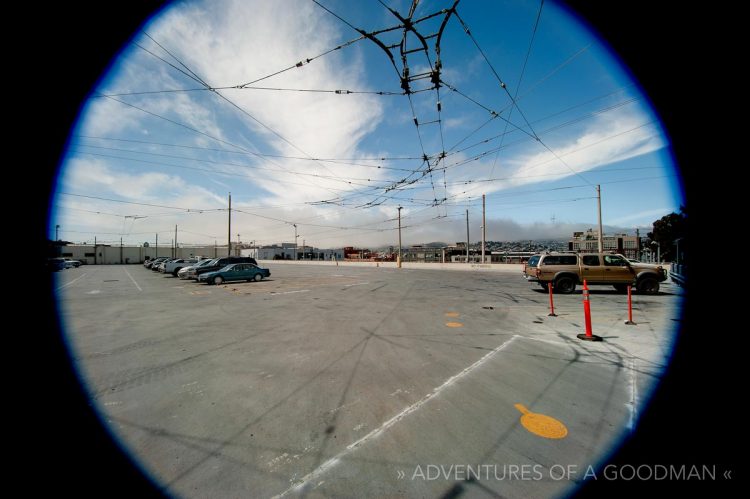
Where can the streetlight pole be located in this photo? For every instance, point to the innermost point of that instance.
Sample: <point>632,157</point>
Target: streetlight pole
<point>399,236</point>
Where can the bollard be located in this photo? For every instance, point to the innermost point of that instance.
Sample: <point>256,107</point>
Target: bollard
<point>588,336</point>
<point>630,322</point>
<point>551,302</point>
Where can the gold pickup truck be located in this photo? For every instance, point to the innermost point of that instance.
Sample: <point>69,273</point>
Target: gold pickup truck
<point>566,270</point>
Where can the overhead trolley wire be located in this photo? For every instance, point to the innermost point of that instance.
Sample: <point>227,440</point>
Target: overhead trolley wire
<point>520,79</point>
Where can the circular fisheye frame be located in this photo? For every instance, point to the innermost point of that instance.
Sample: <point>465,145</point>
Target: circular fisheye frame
<point>342,249</point>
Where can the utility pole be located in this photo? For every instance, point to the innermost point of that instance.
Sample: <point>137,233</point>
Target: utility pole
<point>467,236</point>
<point>637,244</point>
<point>229,228</point>
<point>599,205</point>
<point>400,257</point>
<point>157,245</point>
<point>94,250</point>
<point>484,229</point>
<point>57,231</point>
<point>175,241</point>
<point>399,236</point>
<point>295,242</point>
<point>120,251</point>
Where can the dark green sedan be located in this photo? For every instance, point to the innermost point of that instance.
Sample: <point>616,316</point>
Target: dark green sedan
<point>235,272</point>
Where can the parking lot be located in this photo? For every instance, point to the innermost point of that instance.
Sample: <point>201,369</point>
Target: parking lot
<point>329,381</point>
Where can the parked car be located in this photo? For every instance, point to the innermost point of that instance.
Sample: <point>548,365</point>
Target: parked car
<point>159,267</point>
<point>566,270</point>
<point>174,266</point>
<point>70,263</point>
<point>189,272</point>
<point>235,272</point>
<point>150,263</point>
<point>55,264</point>
<point>220,263</point>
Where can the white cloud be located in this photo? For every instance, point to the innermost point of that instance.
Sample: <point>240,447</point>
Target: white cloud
<point>610,138</point>
<point>645,216</point>
<point>233,42</point>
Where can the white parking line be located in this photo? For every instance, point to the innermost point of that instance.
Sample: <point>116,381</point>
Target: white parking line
<point>356,284</point>
<point>71,282</point>
<point>131,278</point>
<point>632,405</point>
<point>290,292</point>
<point>395,419</point>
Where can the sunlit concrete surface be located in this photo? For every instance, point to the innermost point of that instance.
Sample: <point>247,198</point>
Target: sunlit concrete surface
<point>364,381</point>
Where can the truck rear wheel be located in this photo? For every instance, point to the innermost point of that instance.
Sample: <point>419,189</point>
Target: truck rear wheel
<point>565,285</point>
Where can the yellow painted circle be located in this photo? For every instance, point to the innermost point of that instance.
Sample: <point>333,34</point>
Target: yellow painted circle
<point>544,426</point>
<point>452,314</point>
<point>454,324</point>
<point>541,424</point>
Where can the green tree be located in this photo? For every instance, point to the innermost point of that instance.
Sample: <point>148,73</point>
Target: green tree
<point>666,230</point>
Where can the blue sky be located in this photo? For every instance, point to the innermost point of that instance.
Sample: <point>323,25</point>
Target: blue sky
<point>154,148</point>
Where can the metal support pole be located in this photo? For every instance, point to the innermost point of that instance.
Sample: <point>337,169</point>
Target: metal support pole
<point>467,236</point>
<point>399,236</point>
<point>638,244</point>
<point>599,206</point>
<point>484,228</point>
<point>229,228</point>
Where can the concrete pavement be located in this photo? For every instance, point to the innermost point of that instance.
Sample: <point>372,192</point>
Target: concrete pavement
<point>346,381</point>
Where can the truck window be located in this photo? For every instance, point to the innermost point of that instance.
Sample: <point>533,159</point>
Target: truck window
<point>614,261</point>
<point>592,260</point>
<point>533,261</point>
<point>560,260</point>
